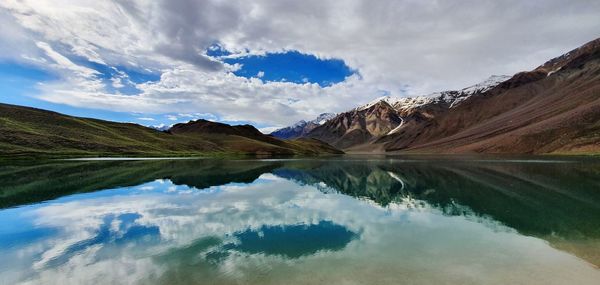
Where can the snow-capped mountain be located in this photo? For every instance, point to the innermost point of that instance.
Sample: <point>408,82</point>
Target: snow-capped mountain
<point>321,119</point>
<point>484,86</point>
<point>451,97</point>
<point>302,127</point>
<point>161,127</point>
<point>358,126</point>
<point>553,108</point>
<point>390,115</point>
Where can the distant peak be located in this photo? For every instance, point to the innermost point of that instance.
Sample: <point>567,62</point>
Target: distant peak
<point>299,123</point>
<point>390,100</point>
<point>322,118</point>
<point>161,127</point>
<point>452,97</point>
<point>302,126</point>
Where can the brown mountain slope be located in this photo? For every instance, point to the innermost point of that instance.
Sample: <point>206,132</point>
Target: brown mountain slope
<point>552,109</point>
<point>366,128</point>
<point>359,126</point>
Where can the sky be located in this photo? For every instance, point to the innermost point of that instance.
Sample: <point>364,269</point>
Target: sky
<point>267,63</point>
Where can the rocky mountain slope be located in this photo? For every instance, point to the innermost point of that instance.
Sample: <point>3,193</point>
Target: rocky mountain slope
<point>30,132</point>
<point>302,128</point>
<point>359,126</point>
<point>554,108</point>
<point>388,115</point>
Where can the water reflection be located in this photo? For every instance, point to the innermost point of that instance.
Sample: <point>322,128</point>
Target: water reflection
<point>559,202</point>
<point>300,221</point>
<point>292,241</point>
<point>114,231</point>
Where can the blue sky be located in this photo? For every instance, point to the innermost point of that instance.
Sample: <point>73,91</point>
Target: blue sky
<point>19,82</point>
<point>292,66</point>
<point>267,63</point>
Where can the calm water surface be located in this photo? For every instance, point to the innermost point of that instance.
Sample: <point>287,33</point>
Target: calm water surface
<point>320,221</point>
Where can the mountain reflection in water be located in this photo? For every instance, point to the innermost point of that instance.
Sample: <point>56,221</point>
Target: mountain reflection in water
<point>246,220</point>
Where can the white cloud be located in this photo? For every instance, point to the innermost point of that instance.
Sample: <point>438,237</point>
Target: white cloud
<point>260,74</point>
<point>195,116</point>
<point>117,82</point>
<point>63,62</point>
<point>404,47</point>
<point>146,119</point>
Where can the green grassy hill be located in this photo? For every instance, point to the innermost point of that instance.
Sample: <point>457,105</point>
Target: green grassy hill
<point>26,132</point>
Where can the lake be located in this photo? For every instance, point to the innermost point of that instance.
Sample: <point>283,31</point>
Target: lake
<point>341,220</point>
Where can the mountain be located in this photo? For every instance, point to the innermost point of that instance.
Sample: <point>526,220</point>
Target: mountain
<point>534,199</point>
<point>554,108</point>
<point>384,116</point>
<point>30,132</point>
<point>205,127</point>
<point>358,126</point>
<point>247,138</point>
<point>300,129</point>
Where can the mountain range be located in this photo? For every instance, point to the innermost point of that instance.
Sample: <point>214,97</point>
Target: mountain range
<point>302,128</point>
<point>554,108</point>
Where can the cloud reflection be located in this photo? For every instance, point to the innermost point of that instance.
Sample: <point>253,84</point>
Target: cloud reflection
<point>286,225</point>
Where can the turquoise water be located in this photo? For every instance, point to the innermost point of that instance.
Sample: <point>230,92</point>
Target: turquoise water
<point>347,220</point>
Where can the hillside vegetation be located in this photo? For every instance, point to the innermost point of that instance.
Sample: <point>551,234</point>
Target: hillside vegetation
<point>26,132</point>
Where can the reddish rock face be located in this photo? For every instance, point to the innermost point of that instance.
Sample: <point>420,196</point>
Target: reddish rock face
<point>359,126</point>
<point>552,109</point>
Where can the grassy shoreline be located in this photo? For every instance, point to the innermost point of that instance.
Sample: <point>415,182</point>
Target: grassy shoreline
<point>73,156</point>
<point>224,155</point>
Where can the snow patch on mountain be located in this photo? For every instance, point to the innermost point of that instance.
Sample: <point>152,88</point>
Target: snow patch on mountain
<point>161,127</point>
<point>451,97</point>
<point>402,104</point>
<point>300,123</point>
<point>396,129</point>
<point>387,99</point>
<point>301,127</point>
<point>321,119</point>
<point>486,85</point>
<point>481,87</point>
<point>553,71</point>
